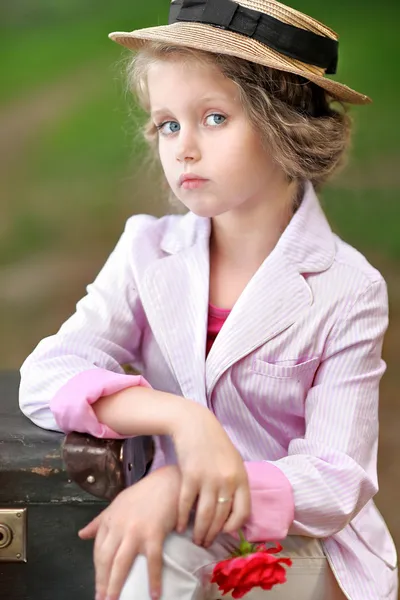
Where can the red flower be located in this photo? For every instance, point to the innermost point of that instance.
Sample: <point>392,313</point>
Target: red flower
<point>250,567</point>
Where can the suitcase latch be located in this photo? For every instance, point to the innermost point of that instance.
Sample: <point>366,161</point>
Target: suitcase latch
<point>13,534</point>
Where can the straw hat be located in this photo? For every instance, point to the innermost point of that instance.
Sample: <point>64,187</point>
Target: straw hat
<point>261,31</point>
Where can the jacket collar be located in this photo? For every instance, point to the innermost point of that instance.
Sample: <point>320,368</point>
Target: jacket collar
<point>307,242</point>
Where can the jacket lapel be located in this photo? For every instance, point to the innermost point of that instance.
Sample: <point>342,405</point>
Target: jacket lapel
<point>278,293</point>
<point>272,301</point>
<point>175,298</point>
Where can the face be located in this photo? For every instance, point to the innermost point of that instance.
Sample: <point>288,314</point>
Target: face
<point>204,131</point>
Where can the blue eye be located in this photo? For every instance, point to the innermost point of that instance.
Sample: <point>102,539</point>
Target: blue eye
<point>218,119</point>
<point>174,127</point>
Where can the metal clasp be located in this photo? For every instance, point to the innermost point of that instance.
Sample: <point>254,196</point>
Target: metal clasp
<point>13,534</point>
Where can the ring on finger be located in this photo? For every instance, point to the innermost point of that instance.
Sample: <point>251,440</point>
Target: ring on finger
<point>223,500</point>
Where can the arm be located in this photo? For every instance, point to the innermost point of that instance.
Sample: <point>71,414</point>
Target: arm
<point>70,370</point>
<point>332,470</point>
<point>144,411</point>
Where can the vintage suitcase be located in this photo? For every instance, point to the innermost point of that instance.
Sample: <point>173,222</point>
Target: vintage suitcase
<point>42,509</point>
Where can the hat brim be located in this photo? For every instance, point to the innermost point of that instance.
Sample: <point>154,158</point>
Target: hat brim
<point>221,41</point>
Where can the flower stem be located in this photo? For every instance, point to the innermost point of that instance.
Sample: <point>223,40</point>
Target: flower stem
<point>245,547</point>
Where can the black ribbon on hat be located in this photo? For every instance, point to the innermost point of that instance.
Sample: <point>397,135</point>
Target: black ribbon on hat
<point>294,42</point>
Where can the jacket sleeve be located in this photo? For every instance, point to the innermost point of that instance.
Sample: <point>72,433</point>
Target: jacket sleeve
<point>67,372</point>
<point>331,472</point>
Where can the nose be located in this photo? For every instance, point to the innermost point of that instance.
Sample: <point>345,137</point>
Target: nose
<point>187,148</point>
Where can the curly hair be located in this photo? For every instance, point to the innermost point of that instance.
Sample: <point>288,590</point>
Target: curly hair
<point>306,131</point>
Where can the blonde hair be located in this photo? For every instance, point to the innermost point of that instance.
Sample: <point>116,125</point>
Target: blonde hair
<point>305,131</point>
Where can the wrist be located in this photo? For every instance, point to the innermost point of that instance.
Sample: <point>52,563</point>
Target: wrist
<point>185,413</point>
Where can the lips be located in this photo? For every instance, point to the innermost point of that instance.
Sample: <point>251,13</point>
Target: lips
<point>190,177</point>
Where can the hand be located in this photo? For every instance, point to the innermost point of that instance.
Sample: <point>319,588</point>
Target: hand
<point>136,522</point>
<point>211,468</point>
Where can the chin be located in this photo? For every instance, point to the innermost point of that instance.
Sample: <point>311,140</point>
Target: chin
<point>202,212</point>
<point>206,209</point>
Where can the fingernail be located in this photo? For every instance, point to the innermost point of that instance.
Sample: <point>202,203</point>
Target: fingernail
<point>155,595</point>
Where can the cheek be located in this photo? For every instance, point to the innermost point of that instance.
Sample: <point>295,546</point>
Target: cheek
<point>256,162</point>
<point>166,158</point>
<point>162,153</point>
<point>245,166</point>
<point>242,150</point>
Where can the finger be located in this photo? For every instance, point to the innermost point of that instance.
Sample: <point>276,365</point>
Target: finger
<point>241,510</point>
<point>154,565</point>
<point>223,510</point>
<point>90,530</point>
<point>122,564</point>
<point>106,547</point>
<point>205,514</point>
<point>99,542</point>
<point>187,497</point>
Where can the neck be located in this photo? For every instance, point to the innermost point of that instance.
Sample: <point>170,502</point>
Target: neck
<point>244,238</point>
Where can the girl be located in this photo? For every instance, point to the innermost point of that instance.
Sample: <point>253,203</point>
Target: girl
<point>256,330</point>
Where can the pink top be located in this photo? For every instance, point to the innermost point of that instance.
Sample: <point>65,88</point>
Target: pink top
<point>216,318</point>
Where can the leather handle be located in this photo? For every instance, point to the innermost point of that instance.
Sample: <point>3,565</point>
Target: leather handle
<point>105,467</point>
<point>94,464</point>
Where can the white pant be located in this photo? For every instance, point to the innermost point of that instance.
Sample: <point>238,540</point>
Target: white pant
<point>309,577</point>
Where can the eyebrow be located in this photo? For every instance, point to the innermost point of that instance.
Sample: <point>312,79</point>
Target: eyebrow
<point>203,99</point>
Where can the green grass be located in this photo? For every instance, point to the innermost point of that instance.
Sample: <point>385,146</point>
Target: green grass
<point>72,174</point>
<point>39,52</point>
<point>368,219</point>
<point>93,138</point>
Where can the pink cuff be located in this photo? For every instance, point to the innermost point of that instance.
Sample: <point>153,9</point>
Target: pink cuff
<point>272,503</point>
<point>71,406</point>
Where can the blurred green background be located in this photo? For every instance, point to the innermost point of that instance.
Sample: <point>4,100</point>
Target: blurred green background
<point>70,166</point>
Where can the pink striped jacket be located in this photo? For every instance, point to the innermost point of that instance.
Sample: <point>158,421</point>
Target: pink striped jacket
<point>293,375</point>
